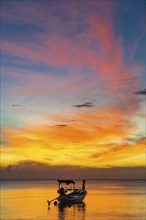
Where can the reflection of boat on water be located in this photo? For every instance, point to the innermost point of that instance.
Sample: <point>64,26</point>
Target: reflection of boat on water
<point>71,195</point>
<point>75,211</point>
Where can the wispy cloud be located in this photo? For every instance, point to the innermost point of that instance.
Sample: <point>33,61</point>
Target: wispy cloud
<point>84,105</point>
<point>62,125</point>
<point>17,105</point>
<point>142,92</point>
<point>121,150</point>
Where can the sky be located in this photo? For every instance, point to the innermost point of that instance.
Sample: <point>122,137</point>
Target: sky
<point>73,89</point>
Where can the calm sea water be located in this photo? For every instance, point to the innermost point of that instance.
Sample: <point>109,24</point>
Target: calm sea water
<point>106,200</point>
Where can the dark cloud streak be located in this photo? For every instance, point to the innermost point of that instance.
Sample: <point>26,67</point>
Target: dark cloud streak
<point>17,105</point>
<point>62,125</point>
<point>37,170</point>
<point>84,105</point>
<point>142,92</point>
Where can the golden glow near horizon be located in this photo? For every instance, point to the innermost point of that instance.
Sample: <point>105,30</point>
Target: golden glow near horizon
<point>76,144</point>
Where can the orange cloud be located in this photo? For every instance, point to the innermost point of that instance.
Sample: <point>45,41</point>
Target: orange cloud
<point>99,135</point>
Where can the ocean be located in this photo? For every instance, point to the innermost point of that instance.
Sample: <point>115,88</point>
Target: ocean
<point>106,200</point>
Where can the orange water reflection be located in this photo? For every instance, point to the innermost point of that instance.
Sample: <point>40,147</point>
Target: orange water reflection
<point>105,201</point>
<point>76,211</point>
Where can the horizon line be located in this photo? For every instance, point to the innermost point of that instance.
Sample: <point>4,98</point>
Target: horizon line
<point>73,179</point>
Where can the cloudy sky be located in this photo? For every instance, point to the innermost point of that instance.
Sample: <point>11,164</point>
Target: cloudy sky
<point>73,88</point>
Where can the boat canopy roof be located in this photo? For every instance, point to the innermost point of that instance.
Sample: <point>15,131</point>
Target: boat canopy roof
<point>66,181</point>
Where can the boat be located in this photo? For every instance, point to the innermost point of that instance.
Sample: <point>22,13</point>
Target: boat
<point>69,196</point>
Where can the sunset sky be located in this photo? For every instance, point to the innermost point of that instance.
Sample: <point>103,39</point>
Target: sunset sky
<point>73,87</point>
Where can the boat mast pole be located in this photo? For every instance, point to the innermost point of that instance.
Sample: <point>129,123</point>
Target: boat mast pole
<point>83,185</point>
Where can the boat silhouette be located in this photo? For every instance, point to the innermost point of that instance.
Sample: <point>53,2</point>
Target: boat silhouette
<point>70,195</point>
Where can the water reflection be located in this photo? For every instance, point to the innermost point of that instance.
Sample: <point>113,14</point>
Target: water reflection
<point>75,211</point>
<point>106,200</point>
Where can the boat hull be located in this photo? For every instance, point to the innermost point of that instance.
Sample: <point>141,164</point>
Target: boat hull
<point>73,198</point>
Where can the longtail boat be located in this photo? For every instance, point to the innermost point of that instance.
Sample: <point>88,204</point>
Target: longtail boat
<point>69,196</point>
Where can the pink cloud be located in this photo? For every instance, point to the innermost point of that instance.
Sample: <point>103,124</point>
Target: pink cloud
<point>96,48</point>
